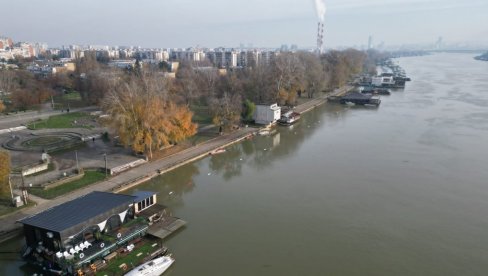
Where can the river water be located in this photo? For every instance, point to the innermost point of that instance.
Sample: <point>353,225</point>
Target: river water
<point>397,190</point>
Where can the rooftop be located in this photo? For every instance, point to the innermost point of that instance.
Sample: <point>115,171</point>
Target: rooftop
<point>141,195</point>
<point>72,213</point>
<point>356,96</point>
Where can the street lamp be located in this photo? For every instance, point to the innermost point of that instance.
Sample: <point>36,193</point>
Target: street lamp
<point>105,158</point>
<point>24,190</point>
<point>10,186</point>
<point>77,164</point>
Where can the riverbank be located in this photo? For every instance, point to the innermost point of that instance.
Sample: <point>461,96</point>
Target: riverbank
<point>9,228</point>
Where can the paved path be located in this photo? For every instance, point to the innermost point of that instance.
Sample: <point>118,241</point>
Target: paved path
<point>322,99</point>
<point>21,118</point>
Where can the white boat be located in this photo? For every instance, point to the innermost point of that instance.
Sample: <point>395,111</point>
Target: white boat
<point>154,267</point>
<point>217,151</point>
<point>289,118</point>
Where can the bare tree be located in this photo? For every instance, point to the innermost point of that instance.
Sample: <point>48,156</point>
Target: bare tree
<point>288,73</point>
<point>7,81</point>
<point>315,78</point>
<point>187,81</point>
<point>226,111</point>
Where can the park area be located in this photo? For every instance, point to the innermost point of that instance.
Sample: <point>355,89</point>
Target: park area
<point>68,120</point>
<point>89,178</point>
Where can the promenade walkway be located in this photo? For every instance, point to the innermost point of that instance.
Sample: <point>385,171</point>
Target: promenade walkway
<point>322,99</point>
<point>22,118</point>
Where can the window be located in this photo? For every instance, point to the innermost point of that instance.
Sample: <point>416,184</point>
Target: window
<point>38,234</point>
<point>145,203</point>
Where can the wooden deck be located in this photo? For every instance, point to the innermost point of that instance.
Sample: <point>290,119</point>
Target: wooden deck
<point>166,227</point>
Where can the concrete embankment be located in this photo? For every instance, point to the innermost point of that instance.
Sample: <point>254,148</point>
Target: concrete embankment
<point>194,157</point>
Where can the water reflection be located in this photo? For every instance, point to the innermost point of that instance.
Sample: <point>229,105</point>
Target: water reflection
<point>172,186</point>
<point>258,153</point>
<point>10,260</point>
<point>229,165</point>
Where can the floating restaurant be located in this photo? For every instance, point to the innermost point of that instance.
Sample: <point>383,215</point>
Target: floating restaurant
<point>83,235</point>
<point>356,98</point>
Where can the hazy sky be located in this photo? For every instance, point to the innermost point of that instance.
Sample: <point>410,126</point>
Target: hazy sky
<point>212,23</point>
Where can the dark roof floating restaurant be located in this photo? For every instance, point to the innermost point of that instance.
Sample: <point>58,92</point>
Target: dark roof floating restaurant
<point>76,235</point>
<point>69,218</point>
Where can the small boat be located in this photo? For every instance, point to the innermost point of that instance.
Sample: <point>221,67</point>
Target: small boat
<point>217,151</point>
<point>154,267</point>
<point>382,91</point>
<point>350,104</point>
<point>264,132</point>
<point>289,118</point>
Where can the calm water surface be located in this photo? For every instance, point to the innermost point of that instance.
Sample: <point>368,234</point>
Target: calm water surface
<point>398,190</point>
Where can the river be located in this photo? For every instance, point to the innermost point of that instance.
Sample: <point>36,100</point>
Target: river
<point>397,190</point>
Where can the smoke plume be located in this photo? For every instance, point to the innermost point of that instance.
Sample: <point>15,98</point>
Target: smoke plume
<point>321,9</point>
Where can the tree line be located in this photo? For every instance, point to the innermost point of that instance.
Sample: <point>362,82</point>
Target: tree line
<point>149,110</point>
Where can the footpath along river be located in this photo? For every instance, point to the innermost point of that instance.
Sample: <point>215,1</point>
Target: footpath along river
<point>397,190</point>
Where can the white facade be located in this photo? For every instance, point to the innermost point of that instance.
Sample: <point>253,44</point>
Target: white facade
<point>230,59</point>
<point>267,114</point>
<point>382,81</point>
<point>123,64</point>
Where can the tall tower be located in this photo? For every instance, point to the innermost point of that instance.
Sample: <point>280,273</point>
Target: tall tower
<point>370,42</point>
<point>320,38</point>
<point>438,44</point>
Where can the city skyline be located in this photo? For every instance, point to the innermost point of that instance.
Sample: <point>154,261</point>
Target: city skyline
<point>216,23</point>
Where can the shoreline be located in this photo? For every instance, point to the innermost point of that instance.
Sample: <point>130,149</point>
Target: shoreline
<point>119,183</point>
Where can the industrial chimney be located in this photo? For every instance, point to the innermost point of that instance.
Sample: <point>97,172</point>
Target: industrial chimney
<point>320,38</point>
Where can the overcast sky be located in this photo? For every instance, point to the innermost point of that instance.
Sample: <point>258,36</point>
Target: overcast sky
<point>265,23</point>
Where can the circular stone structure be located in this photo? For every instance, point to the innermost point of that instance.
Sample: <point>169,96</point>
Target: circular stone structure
<point>44,142</point>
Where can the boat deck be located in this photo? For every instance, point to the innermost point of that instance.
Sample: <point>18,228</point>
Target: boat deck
<point>166,227</point>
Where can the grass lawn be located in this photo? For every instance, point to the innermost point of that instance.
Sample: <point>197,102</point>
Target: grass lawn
<point>201,114</point>
<point>61,121</point>
<point>202,137</point>
<point>89,178</point>
<point>72,96</point>
<point>131,260</point>
<point>7,208</point>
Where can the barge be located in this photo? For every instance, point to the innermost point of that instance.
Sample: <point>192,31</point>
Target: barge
<point>356,98</point>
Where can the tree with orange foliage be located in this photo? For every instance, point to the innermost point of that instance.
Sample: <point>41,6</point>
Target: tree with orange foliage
<point>2,106</point>
<point>143,115</point>
<point>4,174</point>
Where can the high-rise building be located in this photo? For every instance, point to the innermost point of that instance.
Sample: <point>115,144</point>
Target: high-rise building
<point>230,59</point>
<point>370,42</point>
